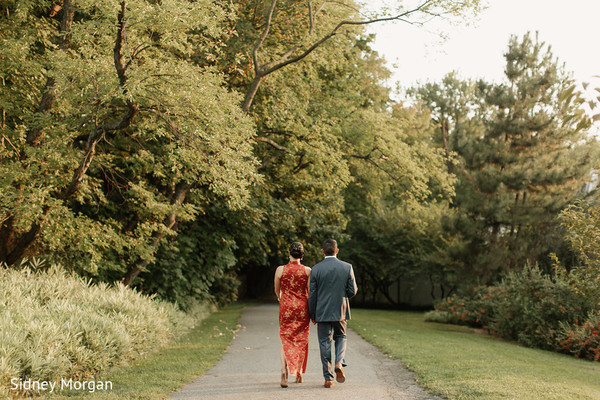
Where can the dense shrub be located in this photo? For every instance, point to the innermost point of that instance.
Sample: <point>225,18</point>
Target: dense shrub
<point>471,310</point>
<point>54,326</point>
<point>530,307</point>
<point>582,339</point>
<point>196,266</point>
<point>526,306</point>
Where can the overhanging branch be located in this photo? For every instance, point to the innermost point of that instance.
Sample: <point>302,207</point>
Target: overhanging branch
<point>283,61</point>
<point>271,142</point>
<point>263,36</point>
<point>262,70</point>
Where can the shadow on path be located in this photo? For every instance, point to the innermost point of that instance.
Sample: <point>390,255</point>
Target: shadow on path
<point>250,369</point>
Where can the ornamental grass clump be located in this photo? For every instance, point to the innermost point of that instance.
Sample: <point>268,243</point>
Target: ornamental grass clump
<point>54,326</point>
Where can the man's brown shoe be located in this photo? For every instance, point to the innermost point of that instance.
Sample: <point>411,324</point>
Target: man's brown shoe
<point>328,384</point>
<point>339,374</point>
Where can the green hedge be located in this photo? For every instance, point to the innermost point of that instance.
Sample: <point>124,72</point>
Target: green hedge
<point>531,308</point>
<point>54,326</point>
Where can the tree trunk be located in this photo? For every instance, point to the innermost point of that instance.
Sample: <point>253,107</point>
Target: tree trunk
<point>444,129</point>
<point>3,111</point>
<point>432,287</point>
<point>25,240</point>
<point>384,288</point>
<point>6,237</point>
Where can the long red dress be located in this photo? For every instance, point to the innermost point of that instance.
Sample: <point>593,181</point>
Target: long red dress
<point>294,320</point>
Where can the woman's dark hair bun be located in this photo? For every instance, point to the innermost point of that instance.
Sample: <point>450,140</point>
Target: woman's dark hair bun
<point>297,250</point>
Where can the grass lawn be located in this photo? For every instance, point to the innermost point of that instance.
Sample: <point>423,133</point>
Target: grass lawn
<point>156,376</point>
<point>457,363</point>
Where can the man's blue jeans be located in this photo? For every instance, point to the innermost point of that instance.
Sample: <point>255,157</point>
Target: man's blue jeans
<point>327,332</point>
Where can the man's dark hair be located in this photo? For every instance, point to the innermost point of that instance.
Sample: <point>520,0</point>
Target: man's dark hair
<point>329,247</point>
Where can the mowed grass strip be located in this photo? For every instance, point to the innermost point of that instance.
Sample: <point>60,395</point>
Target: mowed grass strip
<point>457,363</point>
<point>173,366</point>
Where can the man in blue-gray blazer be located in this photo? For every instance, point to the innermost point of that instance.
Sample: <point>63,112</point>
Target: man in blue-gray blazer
<point>332,284</point>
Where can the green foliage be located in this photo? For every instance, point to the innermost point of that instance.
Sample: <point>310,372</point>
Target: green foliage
<point>301,144</point>
<point>55,325</point>
<point>583,338</point>
<point>123,127</point>
<point>142,129</point>
<point>530,307</point>
<point>582,225</point>
<point>526,306</point>
<point>397,200</point>
<point>126,148</point>
<point>198,265</point>
<point>474,310</point>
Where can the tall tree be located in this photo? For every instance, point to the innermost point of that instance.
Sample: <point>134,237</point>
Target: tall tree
<point>524,151</point>
<point>396,202</point>
<point>539,147</point>
<point>110,125</point>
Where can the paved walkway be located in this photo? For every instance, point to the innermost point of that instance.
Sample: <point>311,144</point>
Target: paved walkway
<point>250,370</point>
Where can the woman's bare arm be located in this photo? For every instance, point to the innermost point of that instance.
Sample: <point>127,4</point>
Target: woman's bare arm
<point>307,270</point>
<point>277,282</point>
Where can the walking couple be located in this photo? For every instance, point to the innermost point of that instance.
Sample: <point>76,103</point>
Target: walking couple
<point>320,295</point>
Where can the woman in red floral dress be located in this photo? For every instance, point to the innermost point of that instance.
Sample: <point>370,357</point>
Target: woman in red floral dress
<point>291,287</point>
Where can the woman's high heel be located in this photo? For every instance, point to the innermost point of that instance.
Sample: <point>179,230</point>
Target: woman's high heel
<point>284,379</point>
<point>299,378</point>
